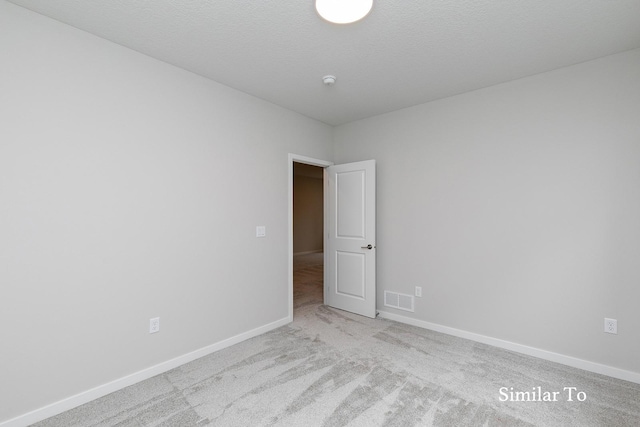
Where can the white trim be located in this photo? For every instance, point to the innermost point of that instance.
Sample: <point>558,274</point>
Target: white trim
<point>317,251</point>
<point>519,348</point>
<point>104,389</point>
<point>309,161</point>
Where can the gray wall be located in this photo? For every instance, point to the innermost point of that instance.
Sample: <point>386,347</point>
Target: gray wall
<point>516,208</point>
<point>124,196</point>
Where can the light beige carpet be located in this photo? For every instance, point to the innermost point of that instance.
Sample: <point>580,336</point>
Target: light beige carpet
<point>331,368</point>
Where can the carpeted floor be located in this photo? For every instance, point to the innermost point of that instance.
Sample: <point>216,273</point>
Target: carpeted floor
<point>332,368</point>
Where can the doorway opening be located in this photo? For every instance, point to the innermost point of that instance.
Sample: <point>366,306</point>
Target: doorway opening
<point>307,229</point>
<point>349,203</point>
<point>308,235</point>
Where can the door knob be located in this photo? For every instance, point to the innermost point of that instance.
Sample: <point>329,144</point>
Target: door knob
<point>367,247</point>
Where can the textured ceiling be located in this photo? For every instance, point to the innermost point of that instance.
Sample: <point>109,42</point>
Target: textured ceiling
<point>406,52</point>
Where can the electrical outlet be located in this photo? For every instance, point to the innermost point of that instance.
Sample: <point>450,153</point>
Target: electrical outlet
<point>419,291</point>
<point>610,326</point>
<point>154,325</point>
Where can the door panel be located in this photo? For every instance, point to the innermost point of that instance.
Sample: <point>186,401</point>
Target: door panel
<point>350,274</point>
<point>350,270</point>
<point>350,216</point>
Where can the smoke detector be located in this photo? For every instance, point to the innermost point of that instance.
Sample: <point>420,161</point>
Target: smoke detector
<point>329,80</point>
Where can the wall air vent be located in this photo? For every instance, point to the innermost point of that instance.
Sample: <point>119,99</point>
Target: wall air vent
<point>399,301</point>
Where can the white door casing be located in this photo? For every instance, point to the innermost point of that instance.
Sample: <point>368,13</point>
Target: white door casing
<point>350,253</point>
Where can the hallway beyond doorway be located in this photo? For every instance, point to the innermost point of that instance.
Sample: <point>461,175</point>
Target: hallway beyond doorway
<point>308,279</point>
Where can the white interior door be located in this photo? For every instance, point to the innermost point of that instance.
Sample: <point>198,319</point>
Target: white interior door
<point>350,257</point>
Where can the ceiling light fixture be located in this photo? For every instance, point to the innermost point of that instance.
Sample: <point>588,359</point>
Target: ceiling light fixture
<point>343,11</point>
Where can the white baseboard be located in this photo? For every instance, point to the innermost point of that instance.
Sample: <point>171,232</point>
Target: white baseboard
<point>519,348</point>
<point>317,251</point>
<point>104,389</point>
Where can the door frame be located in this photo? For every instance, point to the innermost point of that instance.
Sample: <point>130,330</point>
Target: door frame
<point>296,158</point>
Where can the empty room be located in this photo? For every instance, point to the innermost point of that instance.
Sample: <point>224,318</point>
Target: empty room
<point>470,255</point>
